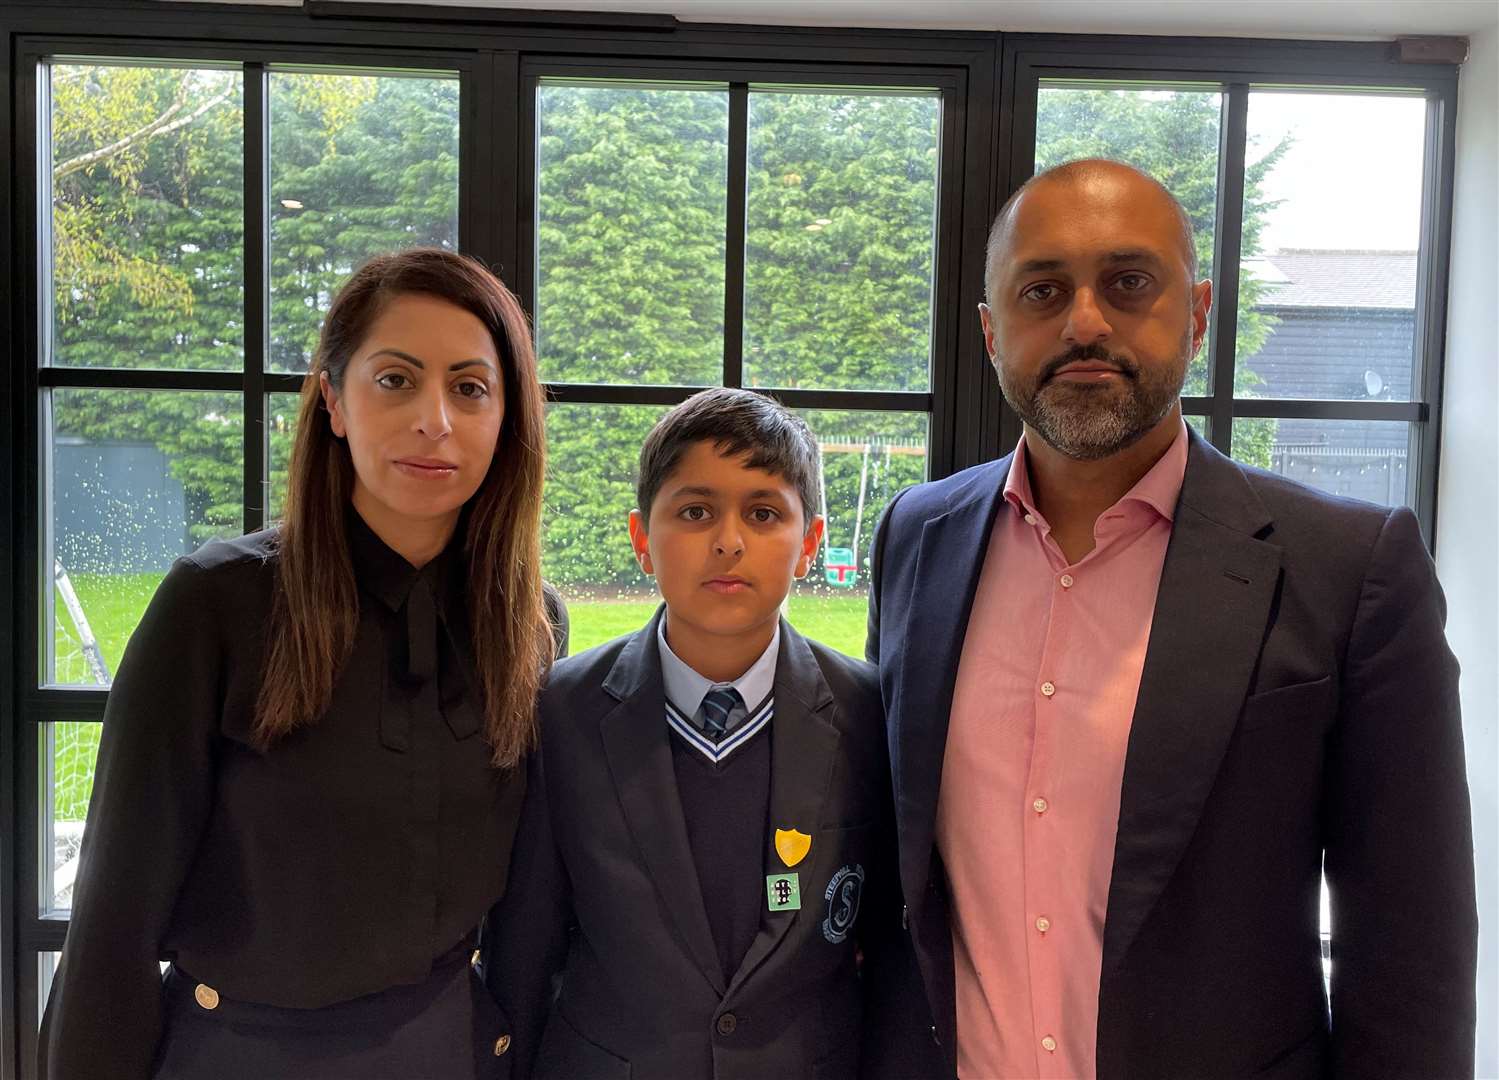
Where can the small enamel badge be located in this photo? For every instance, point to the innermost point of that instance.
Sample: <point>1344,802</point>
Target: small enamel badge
<point>783,892</point>
<point>792,846</point>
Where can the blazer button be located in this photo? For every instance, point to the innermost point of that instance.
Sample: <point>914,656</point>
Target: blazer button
<point>727,1023</point>
<point>501,1045</point>
<point>206,996</point>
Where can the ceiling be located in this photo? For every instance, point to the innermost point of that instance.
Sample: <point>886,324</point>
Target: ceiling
<point>1336,19</point>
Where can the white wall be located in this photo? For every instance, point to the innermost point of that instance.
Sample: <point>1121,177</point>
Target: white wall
<point>1468,493</point>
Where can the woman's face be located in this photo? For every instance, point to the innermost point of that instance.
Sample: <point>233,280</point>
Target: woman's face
<point>421,406</point>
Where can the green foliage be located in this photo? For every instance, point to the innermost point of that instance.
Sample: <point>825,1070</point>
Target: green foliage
<point>844,305</point>
<point>632,197</point>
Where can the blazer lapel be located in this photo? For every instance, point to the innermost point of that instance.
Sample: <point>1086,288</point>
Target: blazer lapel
<point>637,745</point>
<point>804,747</point>
<point>1218,584</point>
<point>951,557</point>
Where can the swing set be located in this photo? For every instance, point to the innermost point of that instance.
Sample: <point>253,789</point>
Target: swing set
<point>840,565</point>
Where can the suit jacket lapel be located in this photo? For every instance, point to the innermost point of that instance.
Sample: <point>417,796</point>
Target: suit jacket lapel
<point>804,748</point>
<point>637,744</point>
<point>1217,586</point>
<point>951,557</point>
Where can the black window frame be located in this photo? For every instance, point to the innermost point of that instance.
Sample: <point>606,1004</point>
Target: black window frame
<point>988,114</point>
<point>1235,71</point>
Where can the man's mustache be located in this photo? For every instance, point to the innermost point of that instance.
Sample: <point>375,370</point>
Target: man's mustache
<point>1079,353</point>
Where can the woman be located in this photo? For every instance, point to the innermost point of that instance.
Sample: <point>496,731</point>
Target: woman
<point>306,789</point>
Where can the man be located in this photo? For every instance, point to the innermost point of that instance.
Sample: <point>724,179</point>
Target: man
<point>1140,698</point>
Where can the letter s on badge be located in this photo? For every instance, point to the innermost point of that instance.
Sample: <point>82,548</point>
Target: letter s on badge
<point>843,894</point>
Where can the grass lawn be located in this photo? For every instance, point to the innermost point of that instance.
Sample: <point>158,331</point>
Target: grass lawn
<point>114,603</point>
<point>836,621</point>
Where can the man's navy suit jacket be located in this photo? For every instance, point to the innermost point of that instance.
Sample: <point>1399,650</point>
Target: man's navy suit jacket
<point>1297,713</point>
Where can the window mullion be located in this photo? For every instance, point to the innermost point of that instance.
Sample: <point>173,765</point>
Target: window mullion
<point>1433,246</point>
<point>1227,243</point>
<point>257,288</point>
<point>733,294</point>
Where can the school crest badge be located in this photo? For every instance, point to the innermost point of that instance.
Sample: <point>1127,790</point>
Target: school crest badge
<point>842,895</point>
<point>792,846</point>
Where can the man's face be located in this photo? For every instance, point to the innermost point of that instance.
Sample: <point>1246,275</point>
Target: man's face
<point>1093,317</point>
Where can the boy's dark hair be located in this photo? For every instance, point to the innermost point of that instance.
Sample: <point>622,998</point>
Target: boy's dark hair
<point>735,422</point>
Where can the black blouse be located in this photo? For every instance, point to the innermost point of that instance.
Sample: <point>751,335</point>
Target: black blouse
<point>337,864</point>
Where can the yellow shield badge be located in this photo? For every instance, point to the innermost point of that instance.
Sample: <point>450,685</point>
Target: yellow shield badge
<point>792,846</point>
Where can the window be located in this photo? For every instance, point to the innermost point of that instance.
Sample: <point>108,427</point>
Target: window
<point>1322,380</point>
<point>777,236</point>
<point>801,212</point>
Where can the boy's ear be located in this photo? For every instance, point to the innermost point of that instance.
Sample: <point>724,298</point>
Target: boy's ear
<point>810,541</point>
<point>640,541</point>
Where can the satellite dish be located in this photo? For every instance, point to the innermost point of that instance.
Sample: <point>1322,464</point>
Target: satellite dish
<point>1373,382</point>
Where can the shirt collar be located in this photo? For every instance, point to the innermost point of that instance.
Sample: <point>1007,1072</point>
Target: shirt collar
<point>385,574</point>
<point>1158,489</point>
<point>685,688</point>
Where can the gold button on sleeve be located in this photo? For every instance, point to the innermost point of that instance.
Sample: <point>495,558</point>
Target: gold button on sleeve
<point>501,1045</point>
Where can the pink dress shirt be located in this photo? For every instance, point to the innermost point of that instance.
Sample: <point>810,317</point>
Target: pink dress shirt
<point>1029,803</point>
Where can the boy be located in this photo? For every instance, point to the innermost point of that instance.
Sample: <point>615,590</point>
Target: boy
<point>707,839</point>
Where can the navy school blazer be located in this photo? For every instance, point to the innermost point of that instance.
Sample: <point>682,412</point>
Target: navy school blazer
<point>1297,712</point>
<point>601,954</point>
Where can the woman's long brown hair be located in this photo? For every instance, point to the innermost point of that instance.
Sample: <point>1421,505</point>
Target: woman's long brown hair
<point>316,607</point>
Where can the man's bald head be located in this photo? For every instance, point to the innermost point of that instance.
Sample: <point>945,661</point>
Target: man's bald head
<point>1081,174</point>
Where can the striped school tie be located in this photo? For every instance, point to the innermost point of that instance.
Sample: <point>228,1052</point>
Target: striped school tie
<point>718,704</point>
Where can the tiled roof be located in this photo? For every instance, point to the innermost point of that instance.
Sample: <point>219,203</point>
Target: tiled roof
<point>1301,277</point>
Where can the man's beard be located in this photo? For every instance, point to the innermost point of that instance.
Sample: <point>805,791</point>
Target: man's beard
<point>1088,421</point>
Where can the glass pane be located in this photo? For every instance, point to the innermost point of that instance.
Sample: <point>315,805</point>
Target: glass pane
<point>866,458</point>
<point>1327,288</point>
<point>1361,459</point>
<point>46,965</point>
<point>1198,424</point>
<point>69,773</point>
<point>360,164</point>
<point>280,427</point>
<point>593,455</point>
<point>147,217</point>
<point>841,239</point>
<point>1171,133</point>
<point>138,477</point>
<point>632,195</point>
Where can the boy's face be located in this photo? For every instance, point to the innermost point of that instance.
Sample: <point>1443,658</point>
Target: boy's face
<point>724,542</point>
